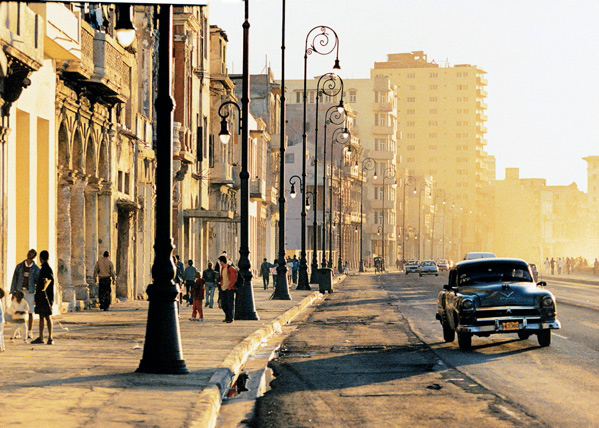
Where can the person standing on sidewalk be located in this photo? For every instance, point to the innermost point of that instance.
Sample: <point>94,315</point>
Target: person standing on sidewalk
<point>44,298</point>
<point>295,269</point>
<point>189,276</point>
<point>265,272</point>
<point>197,294</point>
<point>209,276</point>
<point>228,279</point>
<point>24,279</point>
<point>104,275</point>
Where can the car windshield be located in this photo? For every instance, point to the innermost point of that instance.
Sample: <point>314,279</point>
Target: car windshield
<point>481,273</point>
<point>428,263</point>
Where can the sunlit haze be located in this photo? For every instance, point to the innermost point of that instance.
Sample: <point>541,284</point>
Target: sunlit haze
<point>540,57</point>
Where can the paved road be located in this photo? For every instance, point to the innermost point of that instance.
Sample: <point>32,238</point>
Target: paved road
<point>356,362</point>
<point>557,385</point>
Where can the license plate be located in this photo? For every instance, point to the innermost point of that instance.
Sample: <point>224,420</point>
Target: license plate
<point>511,325</point>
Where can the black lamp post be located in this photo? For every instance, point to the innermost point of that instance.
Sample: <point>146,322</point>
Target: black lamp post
<point>321,40</point>
<point>423,186</point>
<point>245,308</point>
<point>281,286</point>
<point>388,173</point>
<point>409,179</point>
<point>368,164</point>
<point>330,85</point>
<point>162,352</point>
<point>335,115</point>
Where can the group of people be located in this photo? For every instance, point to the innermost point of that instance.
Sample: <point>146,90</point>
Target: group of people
<point>267,269</point>
<point>566,265</point>
<point>31,291</point>
<point>197,287</point>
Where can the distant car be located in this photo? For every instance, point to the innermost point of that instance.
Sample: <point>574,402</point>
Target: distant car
<point>411,266</point>
<point>428,267</point>
<point>443,264</point>
<point>479,255</point>
<point>535,271</point>
<point>495,295</point>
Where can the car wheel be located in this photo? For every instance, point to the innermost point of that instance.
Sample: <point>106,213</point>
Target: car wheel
<point>420,274</point>
<point>544,337</point>
<point>465,341</point>
<point>448,332</point>
<point>406,273</point>
<point>436,274</point>
<point>523,335</point>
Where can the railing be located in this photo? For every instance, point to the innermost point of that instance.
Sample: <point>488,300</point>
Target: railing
<point>222,173</point>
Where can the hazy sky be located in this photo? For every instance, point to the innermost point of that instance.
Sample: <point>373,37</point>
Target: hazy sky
<point>542,59</point>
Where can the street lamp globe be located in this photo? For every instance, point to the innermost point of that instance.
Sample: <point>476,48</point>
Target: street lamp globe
<point>224,134</point>
<point>124,29</point>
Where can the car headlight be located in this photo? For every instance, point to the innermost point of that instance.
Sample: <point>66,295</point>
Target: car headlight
<point>547,302</point>
<point>467,304</point>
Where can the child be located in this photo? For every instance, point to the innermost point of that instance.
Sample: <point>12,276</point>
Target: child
<point>19,309</point>
<point>197,294</point>
<point>2,349</point>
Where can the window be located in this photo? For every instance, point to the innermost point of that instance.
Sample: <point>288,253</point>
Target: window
<point>410,160</point>
<point>410,111</point>
<point>382,120</point>
<point>298,97</point>
<point>433,123</point>
<point>433,147</point>
<point>433,99</point>
<point>410,135</point>
<point>352,96</point>
<point>411,75</point>
<point>433,87</point>
<point>462,87</point>
<point>411,147</point>
<point>120,181</point>
<point>432,135</point>
<point>410,123</point>
<point>289,157</point>
<point>411,99</point>
<point>127,180</point>
<point>312,97</point>
<point>432,111</point>
<point>434,75</point>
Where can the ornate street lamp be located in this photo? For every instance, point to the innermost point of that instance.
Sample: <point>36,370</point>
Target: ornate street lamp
<point>245,308</point>
<point>409,179</point>
<point>368,164</point>
<point>281,286</point>
<point>330,85</point>
<point>335,115</point>
<point>162,352</point>
<point>322,40</point>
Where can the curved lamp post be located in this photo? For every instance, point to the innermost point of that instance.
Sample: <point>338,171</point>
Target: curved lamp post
<point>388,173</point>
<point>368,164</point>
<point>322,40</point>
<point>330,85</point>
<point>409,179</point>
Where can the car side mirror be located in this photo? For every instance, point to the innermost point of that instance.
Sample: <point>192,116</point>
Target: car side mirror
<point>541,284</point>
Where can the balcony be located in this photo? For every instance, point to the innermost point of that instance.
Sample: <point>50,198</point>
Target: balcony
<point>384,155</point>
<point>257,189</point>
<point>480,129</point>
<point>112,69</point>
<point>480,117</point>
<point>481,81</point>
<point>82,68</point>
<point>384,107</point>
<point>481,105</point>
<point>272,195</point>
<point>383,130</point>
<point>481,140</point>
<point>481,93</point>
<point>21,35</point>
<point>222,173</point>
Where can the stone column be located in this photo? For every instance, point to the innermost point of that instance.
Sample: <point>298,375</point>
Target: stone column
<point>63,241</point>
<point>91,236</point>
<point>78,242</point>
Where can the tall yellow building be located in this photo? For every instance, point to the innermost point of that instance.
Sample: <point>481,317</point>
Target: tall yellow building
<point>441,118</point>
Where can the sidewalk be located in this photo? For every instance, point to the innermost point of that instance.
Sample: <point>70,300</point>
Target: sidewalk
<point>87,378</point>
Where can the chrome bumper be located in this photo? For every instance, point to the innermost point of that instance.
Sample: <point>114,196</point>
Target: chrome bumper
<point>498,327</point>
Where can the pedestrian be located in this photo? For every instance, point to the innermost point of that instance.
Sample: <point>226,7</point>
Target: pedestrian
<point>210,276</point>
<point>24,279</point>
<point>2,347</point>
<point>179,270</point>
<point>273,272</point>
<point>289,270</point>
<point>197,295</point>
<point>19,308</point>
<point>295,269</point>
<point>265,272</point>
<point>104,276</point>
<point>44,298</point>
<point>546,265</point>
<point>189,276</point>
<point>560,265</point>
<point>568,265</point>
<point>552,264</point>
<point>228,279</point>
<point>596,267</point>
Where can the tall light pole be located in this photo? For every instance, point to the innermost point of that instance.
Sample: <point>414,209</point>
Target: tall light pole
<point>409,181</point>
<point>368,164</point>
<point>281,286</point>
<point>388,173</point>
<point>423,186</point>
<point>245,308</point>
<point>321,40</point>
<point>330,85</point>
<point>162,352</point>
<point>335,115</point>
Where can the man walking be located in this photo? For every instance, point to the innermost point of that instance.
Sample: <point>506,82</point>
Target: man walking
<point>24,279</point>
<point>104,275</point>
<point>209,276</point>
<point>265,272</point>
<point>228,279</point>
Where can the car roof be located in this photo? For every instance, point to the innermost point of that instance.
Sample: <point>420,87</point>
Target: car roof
<point>490,260</point>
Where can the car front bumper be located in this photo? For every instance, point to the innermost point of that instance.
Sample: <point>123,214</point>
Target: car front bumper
<point>498,326</point>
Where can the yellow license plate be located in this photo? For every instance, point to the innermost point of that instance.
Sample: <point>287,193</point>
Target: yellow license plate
<point>511,325</point>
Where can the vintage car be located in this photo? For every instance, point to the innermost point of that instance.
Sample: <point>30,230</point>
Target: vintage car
<point>495,295</point>
<point>411,266</point>
<point>443,264</point>
<point>428,267</point>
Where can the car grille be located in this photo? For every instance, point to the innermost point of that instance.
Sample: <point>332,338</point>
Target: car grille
<point>507,312</point>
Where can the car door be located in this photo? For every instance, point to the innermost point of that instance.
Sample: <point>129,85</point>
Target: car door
<point>451,297</point>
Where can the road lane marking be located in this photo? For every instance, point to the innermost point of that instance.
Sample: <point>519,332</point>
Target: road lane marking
<point>588,324</point>
<point>559,335</point>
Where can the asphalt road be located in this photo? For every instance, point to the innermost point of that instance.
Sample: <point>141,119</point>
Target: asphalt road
<point>557,385</point>
<point>371,355</point>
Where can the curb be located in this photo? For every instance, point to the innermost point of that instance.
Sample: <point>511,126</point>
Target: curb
<point>209,401</point>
